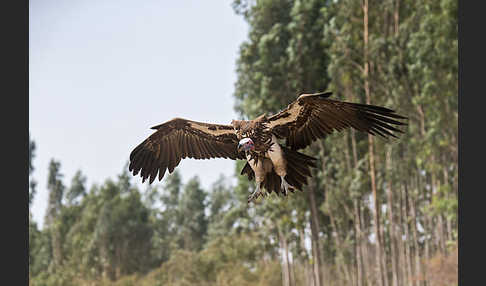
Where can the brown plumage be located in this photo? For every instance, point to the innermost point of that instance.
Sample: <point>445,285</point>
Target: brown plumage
<point>178,139</point>
<point>275,167</point>
<point>313,116</point>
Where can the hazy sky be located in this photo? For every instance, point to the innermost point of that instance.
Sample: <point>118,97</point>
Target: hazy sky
<point>101,73</point>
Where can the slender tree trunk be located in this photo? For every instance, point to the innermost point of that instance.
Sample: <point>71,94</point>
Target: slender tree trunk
<point>287,262</point>
<point>400,244</point>
<point>383,244</point>
<point>441,231</point>
<point>363,238</point>
<point>396,16</point>
<point>353,144</point>
<point>307,270</point>
<point>359,238</point>
<point>368,260</point>
<point>314,221</point>
<point>448,220</point>
<point>391,219</point>
<point>428,227</point>
<point>292,270</point>
<point>408,254</point>
<point>439,222</point>
<point>376,214</point>
<point>352,273</point>
<point>360,261</point>
<point>285,258</point>
<point>418,270</point>
<point>357,250</point>
<point>346,152</point>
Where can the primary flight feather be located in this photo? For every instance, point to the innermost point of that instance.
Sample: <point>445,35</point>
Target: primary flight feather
<point>275,167</point>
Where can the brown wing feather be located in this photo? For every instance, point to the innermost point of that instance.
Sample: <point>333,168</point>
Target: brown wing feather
<point>180,138</point>
<point>313,116</point>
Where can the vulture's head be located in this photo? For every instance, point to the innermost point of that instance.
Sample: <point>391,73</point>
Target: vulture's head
<point>246,144</point>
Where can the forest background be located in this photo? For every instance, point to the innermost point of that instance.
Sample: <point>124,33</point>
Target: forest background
<point>377,212</point>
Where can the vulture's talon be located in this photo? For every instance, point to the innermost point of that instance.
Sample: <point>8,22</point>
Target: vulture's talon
<point>286,187</point>
<point>254,195</point>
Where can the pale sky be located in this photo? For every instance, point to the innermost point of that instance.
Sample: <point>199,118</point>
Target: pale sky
<point>101,73</point>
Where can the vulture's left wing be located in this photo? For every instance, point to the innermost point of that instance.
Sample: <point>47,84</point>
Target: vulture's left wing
<point>178,139</point>
<point>314,116</point>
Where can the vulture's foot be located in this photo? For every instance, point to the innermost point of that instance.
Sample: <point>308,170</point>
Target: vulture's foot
<point>255,194</point>
<point>286,187</point>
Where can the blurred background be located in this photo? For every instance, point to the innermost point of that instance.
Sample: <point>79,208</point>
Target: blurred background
<point>377,212</point>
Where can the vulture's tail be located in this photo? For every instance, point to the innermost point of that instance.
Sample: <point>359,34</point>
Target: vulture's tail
<point>298,167</point>
<point>298,170</point>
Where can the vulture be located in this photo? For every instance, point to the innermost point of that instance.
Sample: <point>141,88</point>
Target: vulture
<point>268,144</point>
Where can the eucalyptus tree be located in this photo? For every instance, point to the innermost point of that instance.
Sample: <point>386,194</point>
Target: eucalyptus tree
<point>56,189</point>
<point>32,182</point>
<point>77,189</point>
<point>193,223</point>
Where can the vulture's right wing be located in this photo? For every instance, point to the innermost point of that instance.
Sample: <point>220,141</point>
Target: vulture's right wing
<point>178,139</point>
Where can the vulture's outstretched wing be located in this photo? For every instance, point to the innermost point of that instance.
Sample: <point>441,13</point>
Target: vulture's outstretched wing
<point>314,116</point>
<point>178,139</point>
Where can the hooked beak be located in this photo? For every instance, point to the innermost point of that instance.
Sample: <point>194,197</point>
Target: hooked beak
<point>240,147</point>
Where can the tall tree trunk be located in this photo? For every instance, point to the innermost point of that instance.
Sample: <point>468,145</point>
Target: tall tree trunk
<point>418,270</point>
<point>428,225</point>
<point>285,258</point>
<point>447,194</point>
<point>355,151</point>
<point>391,219</point>
<point>408,255</point>
<point>368,260</point>
<point>357,229</point>
<point>376,214</point>
<point>292,270</point>
<point>363,238</point>
<point>439,222</point>
<point>346,152</point>
<point>440,229</point>
<point>400,244</point>
<point>396,16</point>
<point>314,221</point>
<point>359,238</point>
<point>307,270</point>
<point>360,246</point>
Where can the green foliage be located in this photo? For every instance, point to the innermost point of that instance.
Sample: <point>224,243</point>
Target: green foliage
<point>165,218</point>
<point>56,190</point>
<point>193,224</point>
<point>182,234</point>
<point>32,182</point>
<point>77,189</point>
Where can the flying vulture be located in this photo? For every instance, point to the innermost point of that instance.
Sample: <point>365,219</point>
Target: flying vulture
<point>274,166</point>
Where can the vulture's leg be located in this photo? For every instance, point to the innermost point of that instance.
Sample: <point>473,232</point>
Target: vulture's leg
<point>285,186</point>
<point>259,170</point>
<point>255,193</point>
<point>279,164</point>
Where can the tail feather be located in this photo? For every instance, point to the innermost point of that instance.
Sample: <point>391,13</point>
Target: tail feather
<point>298,167</point>
<point>292,172</point>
